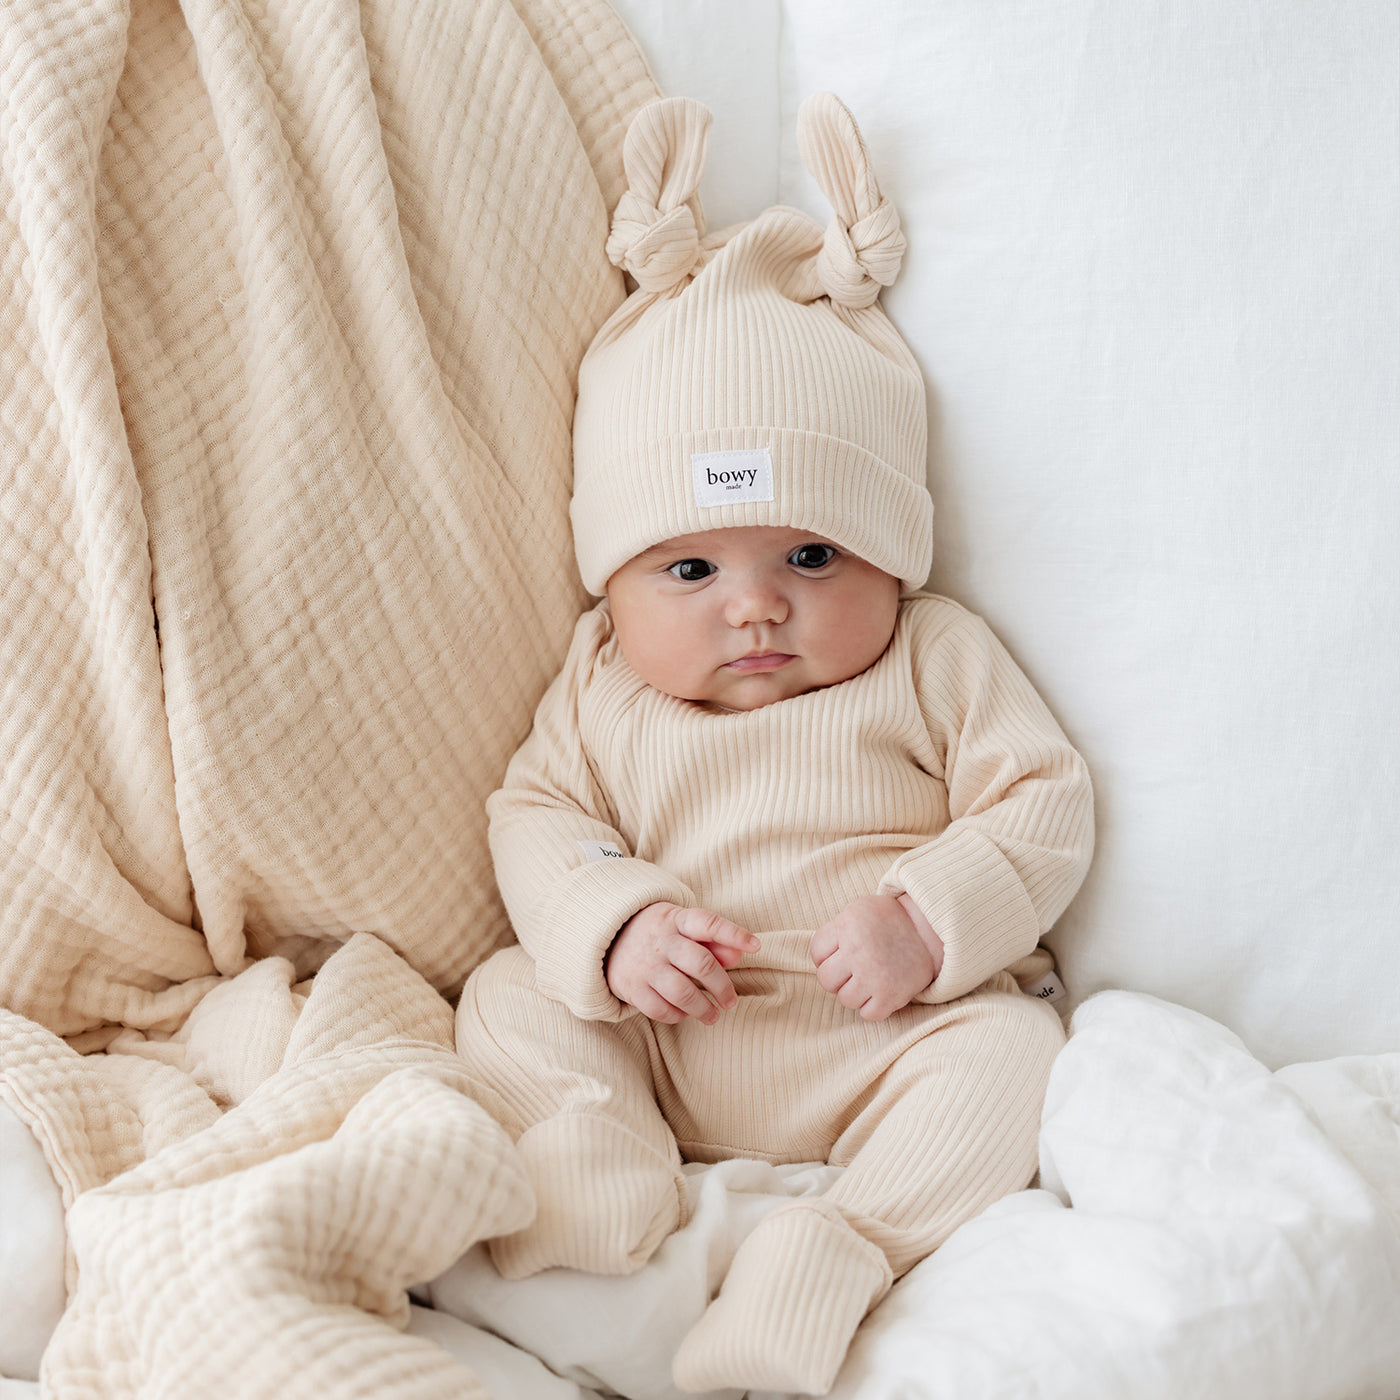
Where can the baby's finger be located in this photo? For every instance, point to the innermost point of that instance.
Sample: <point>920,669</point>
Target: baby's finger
<point>824,943</point>
<point>725,957</point>
<point>853,994</point>
<point>706,927</point>
<point>877,1008</point>
<point>833,974</point>
<point>655,1007</point>
<point>699,963</point>
<point>684,995</point>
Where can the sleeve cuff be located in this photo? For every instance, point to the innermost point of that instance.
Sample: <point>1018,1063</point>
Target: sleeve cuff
<point>975,900</point>
<point>578,921</point>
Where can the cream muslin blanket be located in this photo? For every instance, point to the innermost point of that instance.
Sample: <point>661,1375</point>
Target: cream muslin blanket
<point>294,295</point>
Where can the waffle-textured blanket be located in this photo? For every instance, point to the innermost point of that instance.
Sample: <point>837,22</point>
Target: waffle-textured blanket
<point>293,300</point>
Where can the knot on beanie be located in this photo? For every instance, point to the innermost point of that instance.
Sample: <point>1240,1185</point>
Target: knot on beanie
<point>863,246</point>
<point>658,223</point>
<point>858,259</point>
<point>657,249</point>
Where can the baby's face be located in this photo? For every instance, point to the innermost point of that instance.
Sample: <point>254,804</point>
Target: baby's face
<point>742,617</point>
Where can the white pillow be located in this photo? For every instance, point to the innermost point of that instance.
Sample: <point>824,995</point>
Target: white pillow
<point>1154,282</point>
<point>723,53</point>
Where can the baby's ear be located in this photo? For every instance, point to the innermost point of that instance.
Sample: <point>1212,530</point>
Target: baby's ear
<point>658,223</point>
<point>864,246</point>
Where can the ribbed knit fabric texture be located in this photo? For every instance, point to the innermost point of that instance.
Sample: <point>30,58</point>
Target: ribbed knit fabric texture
<point>938,771</point>
<point>762,1332</point>
<point>934,1113</point>
<point>767,340</point>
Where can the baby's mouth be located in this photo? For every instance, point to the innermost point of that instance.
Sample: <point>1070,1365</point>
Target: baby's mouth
<point>761,661</point>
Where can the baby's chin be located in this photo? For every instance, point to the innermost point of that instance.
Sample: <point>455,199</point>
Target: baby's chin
<point>743,694</point>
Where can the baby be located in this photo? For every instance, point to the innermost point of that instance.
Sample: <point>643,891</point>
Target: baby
<point>787,831</point>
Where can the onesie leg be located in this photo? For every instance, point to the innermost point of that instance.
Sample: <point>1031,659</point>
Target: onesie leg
<point>951,1127</point>
<point>954,1126</point>
<point>577,1097</point>
<point>794,1295</point>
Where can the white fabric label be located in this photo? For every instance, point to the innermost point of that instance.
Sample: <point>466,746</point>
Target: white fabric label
<point>725,478</point>
<point>601,850</point>
<point>1049,988</point>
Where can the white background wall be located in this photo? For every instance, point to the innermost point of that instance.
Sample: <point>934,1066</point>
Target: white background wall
<point>1154,282</point>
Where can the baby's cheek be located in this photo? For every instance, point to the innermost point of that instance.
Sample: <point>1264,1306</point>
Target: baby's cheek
<point>660,661</point>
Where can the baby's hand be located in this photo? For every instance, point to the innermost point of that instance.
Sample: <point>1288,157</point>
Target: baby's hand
<point>877,954</point>
<point>671,963</point>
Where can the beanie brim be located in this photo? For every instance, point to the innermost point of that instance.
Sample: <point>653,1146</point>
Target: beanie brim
<point>836,489</point>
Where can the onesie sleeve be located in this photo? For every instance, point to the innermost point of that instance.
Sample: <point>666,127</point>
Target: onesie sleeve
<point>565,873</point>
<point>1020,806</point>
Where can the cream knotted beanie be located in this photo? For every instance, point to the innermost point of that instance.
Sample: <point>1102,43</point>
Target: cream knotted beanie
<point>752,378</point>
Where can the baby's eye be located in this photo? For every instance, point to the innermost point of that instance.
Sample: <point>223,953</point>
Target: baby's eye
<point>691,570</point>
<point>812,556</point>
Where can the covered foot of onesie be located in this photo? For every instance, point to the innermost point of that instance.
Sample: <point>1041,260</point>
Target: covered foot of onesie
<point>794,1296</point>
<point>606,1200</point>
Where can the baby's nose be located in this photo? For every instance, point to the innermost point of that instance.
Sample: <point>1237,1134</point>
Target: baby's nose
<point>756,600</point>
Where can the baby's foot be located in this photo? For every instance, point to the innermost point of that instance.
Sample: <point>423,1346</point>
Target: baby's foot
<point>605,1200</point>
<point>794,1296</point>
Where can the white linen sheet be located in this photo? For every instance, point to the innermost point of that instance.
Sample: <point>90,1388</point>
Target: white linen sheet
<point>1204,1229</point>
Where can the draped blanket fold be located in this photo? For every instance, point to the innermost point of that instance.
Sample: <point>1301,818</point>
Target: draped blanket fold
<point>293,300</point>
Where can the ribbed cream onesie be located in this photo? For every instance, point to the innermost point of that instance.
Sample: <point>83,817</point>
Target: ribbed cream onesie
<point>938,772</point>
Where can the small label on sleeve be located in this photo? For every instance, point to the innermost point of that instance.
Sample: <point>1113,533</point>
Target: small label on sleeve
<point>601,850</point>
<point>727,478</point>
<point>1049,988</point>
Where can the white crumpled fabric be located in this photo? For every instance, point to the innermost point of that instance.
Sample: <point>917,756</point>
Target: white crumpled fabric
<point>1205,1228</point>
